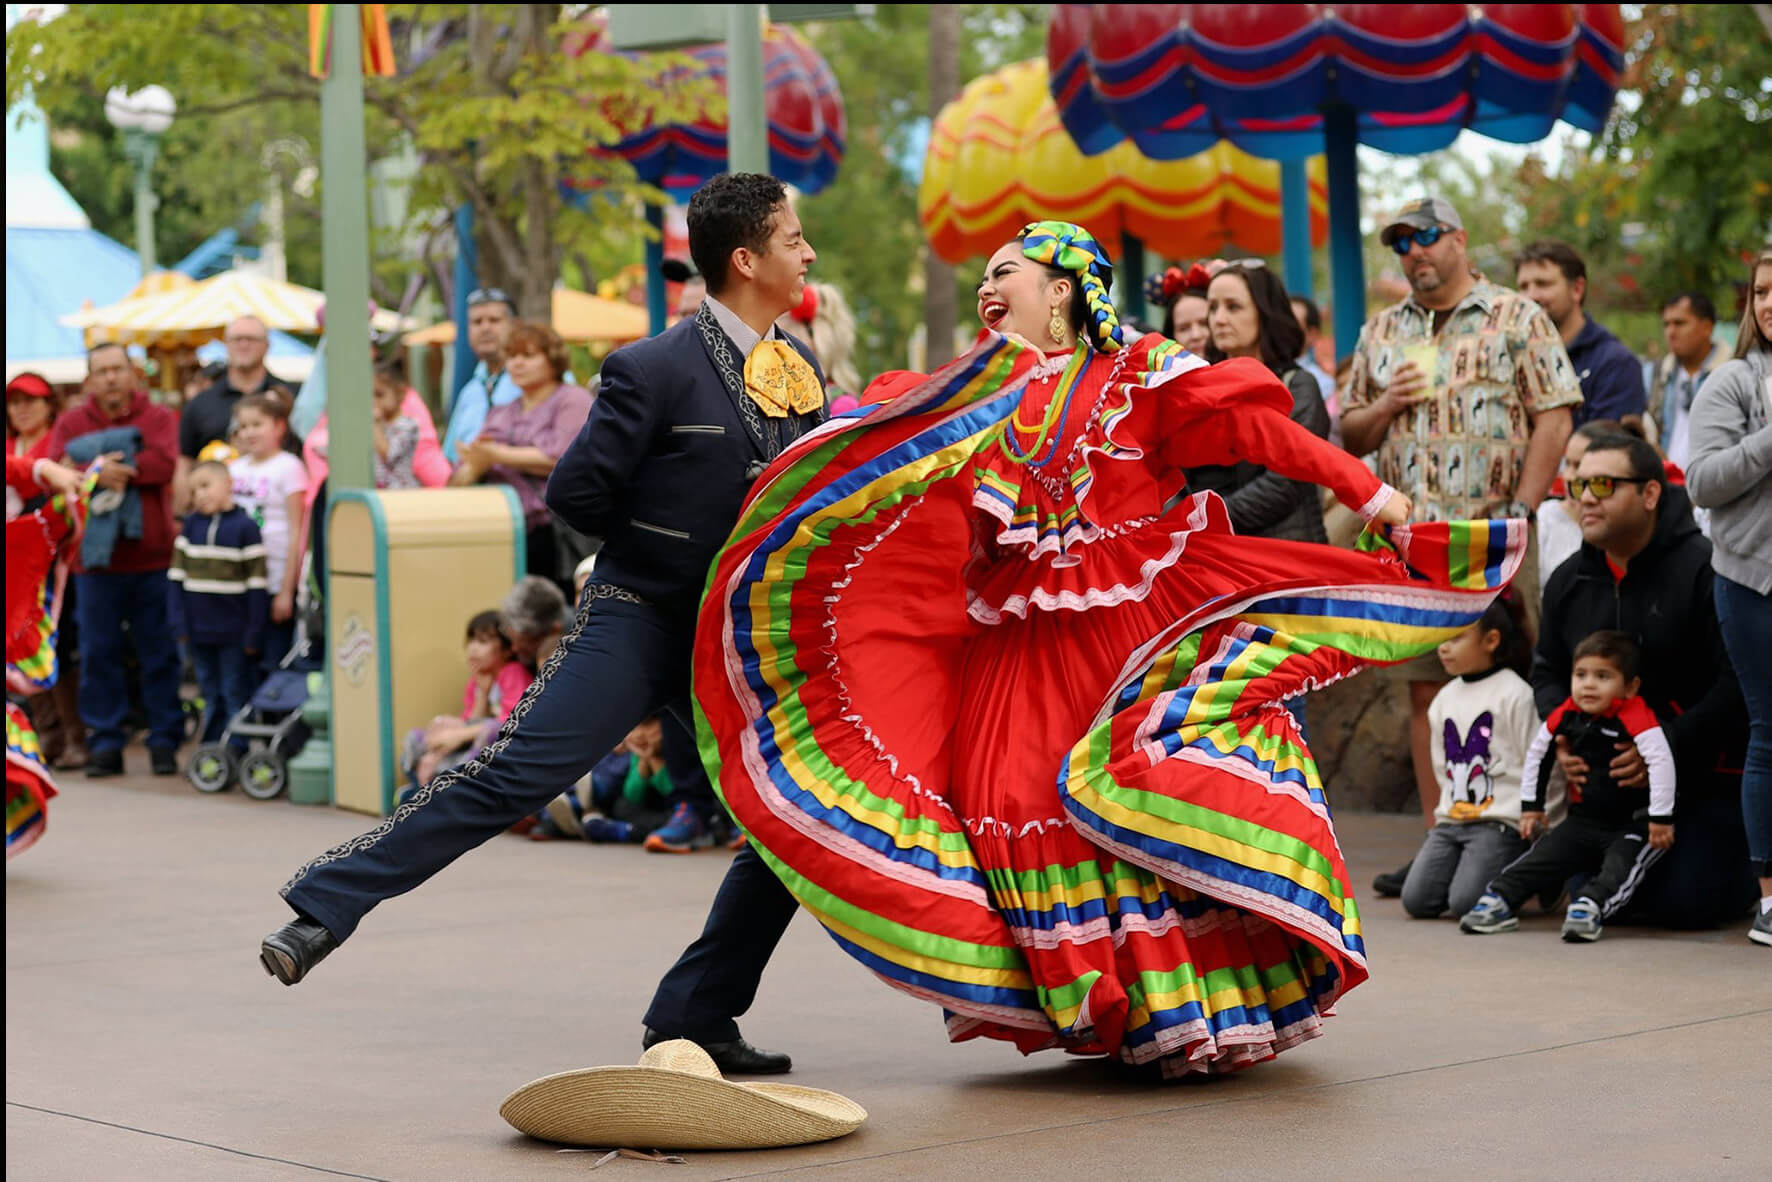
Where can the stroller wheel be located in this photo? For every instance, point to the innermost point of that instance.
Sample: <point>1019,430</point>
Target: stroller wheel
<point>263,774</point>
<point>211,768</point>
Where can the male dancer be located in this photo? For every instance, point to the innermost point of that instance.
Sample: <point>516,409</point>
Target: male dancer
<point>673,443</point>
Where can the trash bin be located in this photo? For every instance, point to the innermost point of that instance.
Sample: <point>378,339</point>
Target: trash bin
<point>409,568</point>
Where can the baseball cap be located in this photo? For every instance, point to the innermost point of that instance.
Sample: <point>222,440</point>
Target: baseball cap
<point>1419,214</point>
<point>677,271</point>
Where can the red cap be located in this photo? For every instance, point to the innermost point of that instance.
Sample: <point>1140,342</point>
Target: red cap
<point>31,385</point>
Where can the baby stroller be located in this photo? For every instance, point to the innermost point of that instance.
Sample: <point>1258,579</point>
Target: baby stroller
<point>270,727</point>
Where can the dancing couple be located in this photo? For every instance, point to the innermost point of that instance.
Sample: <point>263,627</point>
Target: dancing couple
<point>993,696</point>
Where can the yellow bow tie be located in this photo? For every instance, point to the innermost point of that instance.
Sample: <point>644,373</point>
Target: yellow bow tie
<point>778,380</point>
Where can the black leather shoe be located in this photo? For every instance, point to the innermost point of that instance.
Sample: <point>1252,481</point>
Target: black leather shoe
<point>100,764</point>
<point>291,952</point>
<point>164,761</point>
<point>1391,885</point>
<point>737,1057</point>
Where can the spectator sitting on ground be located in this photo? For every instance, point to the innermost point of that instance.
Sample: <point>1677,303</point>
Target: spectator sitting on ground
<point>1483,722</point>
<point>521,441</point>
<point>534,615</point>
<point>120,578</point>
<point>1615,830</point>
<point>218,604</point>
<point>1555,278</point>
<point>1731,473</point>
<point>1559,514</point>
<point>631,795</point>
<point>1644,569</point>
<point>1465,392</point>
<point>496,681</point>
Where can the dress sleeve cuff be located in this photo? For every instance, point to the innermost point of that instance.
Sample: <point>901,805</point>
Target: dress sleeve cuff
<point>1375,502</point>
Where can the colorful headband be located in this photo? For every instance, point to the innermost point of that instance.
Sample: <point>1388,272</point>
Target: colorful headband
<point>1070,247</point>
<point>1172,283</point>
<point>808,305</point>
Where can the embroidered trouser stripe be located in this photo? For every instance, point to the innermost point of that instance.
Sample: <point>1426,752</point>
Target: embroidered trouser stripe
<point>619,663</point>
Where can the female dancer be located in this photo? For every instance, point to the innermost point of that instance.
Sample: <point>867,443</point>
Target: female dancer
<point>1003,706</point>
<point>33,602</point>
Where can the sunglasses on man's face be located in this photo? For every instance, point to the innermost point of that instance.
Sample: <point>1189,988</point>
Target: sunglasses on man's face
<point>1601,486</point>
<point>1425,237</point>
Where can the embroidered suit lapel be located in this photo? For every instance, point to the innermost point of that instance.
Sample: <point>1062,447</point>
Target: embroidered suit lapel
<point>729,372</point>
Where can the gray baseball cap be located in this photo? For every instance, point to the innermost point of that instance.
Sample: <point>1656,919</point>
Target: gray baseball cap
<point>1419,214</point>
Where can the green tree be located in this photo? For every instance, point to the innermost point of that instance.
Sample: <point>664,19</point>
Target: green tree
<point>498,113</point>
<point>1673,195</point>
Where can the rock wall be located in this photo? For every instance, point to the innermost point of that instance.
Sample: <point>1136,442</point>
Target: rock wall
<point>1359,736</point>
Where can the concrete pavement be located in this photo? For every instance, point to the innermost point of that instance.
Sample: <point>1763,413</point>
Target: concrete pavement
<point>143,1041</point>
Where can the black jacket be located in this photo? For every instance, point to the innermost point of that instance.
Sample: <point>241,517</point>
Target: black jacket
<point>1664,600</point>
<point>663,463</point>
<point>1264,503</point>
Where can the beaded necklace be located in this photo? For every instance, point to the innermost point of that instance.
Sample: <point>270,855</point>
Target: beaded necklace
<point>1057,409</point>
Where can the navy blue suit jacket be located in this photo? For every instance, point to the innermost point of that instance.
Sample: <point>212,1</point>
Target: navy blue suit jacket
<point>663,464</point>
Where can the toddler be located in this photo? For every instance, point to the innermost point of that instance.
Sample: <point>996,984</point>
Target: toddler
<point>495,683</point>
<point>396,436</point>
<point>1481,725</point>
<point>217,594</point>
<point>1612,832</point>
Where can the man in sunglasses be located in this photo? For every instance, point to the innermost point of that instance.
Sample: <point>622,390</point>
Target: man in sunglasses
<point>490,315</point>
<point>1465,392</point>
<point>1644,568</point>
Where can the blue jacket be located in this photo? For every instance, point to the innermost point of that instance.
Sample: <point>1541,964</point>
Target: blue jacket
<point>663,463</point>
<point>218,580</point>
<point>110,517</point>
<point>1611,378</point>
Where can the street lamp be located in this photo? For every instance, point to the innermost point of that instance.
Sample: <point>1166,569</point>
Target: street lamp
<point>143,118</point>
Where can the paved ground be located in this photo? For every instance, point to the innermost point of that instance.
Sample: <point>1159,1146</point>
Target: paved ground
<point>143,1041</point>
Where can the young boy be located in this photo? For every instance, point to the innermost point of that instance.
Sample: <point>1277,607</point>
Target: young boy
<point>1613,832</point>
<point>218,601</point>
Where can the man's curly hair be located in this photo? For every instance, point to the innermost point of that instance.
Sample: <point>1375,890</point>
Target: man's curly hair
<point>734,209</point>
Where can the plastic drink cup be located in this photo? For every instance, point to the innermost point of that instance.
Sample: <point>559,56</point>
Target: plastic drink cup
<point>1425,355</point>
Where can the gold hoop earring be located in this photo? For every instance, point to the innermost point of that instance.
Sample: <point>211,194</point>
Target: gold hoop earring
<point>1055,328</point>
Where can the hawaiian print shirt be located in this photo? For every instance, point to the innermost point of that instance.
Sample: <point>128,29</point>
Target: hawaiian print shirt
<point>1500,361</point>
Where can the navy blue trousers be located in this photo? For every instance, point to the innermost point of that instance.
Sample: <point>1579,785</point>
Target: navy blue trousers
<point>106,601</point>
<point>620,663</point>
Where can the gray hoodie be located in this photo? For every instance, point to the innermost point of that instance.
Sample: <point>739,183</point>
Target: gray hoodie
<point>1730,472</point>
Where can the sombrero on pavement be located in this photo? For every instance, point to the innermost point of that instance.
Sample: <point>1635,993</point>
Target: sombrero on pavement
<point>676,1099</point>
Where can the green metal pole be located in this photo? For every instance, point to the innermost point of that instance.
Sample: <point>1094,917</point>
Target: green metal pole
<point>345,254</point>
<point>747,125</point>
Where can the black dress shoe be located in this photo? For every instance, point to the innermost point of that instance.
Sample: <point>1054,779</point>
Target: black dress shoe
<point>290,952</point>
<point>100,764</point>
<point>163,760</point>
<point>737,1057</point>
<point>1391,885</point>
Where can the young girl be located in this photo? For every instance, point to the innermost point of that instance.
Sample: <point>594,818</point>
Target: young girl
<point>495,682</point>
<point>1481,723</point>
<point>396,435</point>
<point>270,483</point>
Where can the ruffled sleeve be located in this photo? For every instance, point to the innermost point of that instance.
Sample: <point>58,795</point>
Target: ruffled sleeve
<point>1238,410</point>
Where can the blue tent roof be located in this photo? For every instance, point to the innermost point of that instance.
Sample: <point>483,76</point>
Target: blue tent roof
<point>49,273</point>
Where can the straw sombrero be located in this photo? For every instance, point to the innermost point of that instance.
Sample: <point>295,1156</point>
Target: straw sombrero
<point>676,1099</point>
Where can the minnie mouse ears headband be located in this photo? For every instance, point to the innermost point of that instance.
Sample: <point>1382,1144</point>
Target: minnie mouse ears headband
<point>1169,285</point>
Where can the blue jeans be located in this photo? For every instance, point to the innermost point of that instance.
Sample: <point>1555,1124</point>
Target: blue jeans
<point>105,601</point>
<point>226,677</point>
<point>1746,619</point>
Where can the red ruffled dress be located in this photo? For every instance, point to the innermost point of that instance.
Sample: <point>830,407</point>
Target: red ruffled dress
<point>1002,703</point>
<point>34,582</point>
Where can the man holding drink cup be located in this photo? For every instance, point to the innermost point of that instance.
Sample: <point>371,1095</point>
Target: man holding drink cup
<point>1465,392</point>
